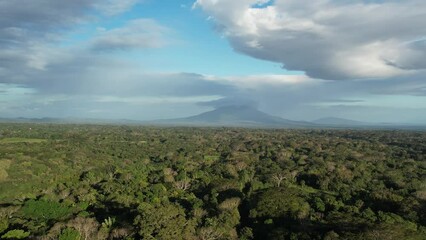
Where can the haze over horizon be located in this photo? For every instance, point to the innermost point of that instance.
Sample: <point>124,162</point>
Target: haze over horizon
<point>150,59</point>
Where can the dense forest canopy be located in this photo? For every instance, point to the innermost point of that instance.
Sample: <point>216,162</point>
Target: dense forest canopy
<point>74,182</point>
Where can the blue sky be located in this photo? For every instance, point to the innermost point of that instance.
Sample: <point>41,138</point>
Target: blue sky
<point>152,59</point>
<point>191,32</point>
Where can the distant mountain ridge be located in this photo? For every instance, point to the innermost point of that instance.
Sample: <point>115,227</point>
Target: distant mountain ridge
<point>236,116</point>
<point>339,121</point>
<point>228,116</point>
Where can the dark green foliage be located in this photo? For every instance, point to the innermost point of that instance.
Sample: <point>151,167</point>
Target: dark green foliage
<point>42,210</point>
<point>163,221</point>
<point>280,203</point>
<point>69,234</point>
<point>246,234</point>
<point>131,182</point>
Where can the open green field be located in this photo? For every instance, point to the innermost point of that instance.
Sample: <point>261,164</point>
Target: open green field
<point>21,140</point>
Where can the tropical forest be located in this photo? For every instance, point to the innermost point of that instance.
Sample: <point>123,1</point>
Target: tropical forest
<point>80,182</point>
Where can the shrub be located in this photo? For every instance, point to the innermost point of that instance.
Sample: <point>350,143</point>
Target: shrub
<point>16,234</point>
<point>69,234</point>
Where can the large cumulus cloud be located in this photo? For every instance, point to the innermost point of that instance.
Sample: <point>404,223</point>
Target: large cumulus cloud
<point>29,28</point>
<point>328,39</point>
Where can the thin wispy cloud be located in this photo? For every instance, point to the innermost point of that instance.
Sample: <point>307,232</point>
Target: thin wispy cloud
<point>136,34</point>
<point>115,7</point>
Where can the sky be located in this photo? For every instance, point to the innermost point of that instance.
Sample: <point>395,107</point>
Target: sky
<point>157,59</point>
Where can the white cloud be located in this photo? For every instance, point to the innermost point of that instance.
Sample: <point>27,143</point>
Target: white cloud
<point>114,7</point>
<point>149,100</point>
<point>136,34</point>
<point>327,39</point>
<point>31,30</point>
<point>256,81</point>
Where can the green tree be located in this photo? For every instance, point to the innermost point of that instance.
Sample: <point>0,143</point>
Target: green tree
<point>16,234</point>
<point>70,234</point>
<point>42,210</point>
<point>277,203</point>
<point>4,224</point>
<point>163,221</point>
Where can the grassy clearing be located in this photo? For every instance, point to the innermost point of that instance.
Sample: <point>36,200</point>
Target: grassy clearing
<point>4,166</point>
<point>21,140</point>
